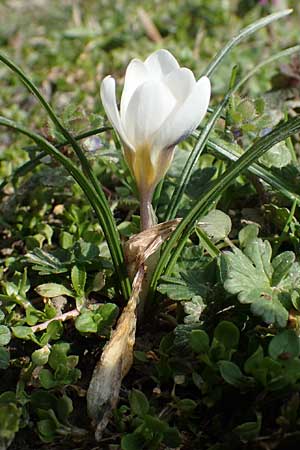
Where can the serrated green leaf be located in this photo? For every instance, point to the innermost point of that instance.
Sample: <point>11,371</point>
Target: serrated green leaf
<point>271,309</point>
<point>269,287</point>
<point>243,278</point>
<point>278,156</point>
<point>189,285</point>
<point>193,309</point>
<point>260,252</point>
<point>282,265</point>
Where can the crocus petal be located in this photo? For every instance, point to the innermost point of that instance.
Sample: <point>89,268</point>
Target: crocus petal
<point>108,97</point>
<point>148,108</point>
<point>136,74</point>
<point>184,120</point>
<point>180,82</point>
<point>160,63</point>
<point>162,163</point>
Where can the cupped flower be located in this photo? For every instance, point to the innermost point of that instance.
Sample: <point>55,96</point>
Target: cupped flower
<point>161,105</point>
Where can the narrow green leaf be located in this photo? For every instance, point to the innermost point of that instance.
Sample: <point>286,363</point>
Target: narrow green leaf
<point>107,225</point>
<point>112,237</point>
<point>203,137</point>
<point>244,33</point>
<point>78,277</point>
<point>186,226</point>
<point>257,169</point>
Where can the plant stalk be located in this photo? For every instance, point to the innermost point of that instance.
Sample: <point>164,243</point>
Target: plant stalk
<point>146,212</point>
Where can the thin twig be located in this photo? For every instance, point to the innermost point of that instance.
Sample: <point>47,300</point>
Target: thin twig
<point>61,317</point>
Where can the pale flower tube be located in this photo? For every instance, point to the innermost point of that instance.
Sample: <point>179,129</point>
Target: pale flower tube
<point>161,104</point>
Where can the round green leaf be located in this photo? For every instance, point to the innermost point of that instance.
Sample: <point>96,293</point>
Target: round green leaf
<point>53,290</point>
<point>186,405</point>
<point>231,373</point>
<point>9,420</point>
<point>216,224</point>
<point>132,441</point>
<point>85,323</point>
<point>5,335</point>
<point>40,356</point>
<point>199,341</point>
<point>4,358</point>
<point>138,403</point>
<point>284,345</point>
<point>228,334</point>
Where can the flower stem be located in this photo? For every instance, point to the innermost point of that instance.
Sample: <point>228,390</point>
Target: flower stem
<point>146,213</point>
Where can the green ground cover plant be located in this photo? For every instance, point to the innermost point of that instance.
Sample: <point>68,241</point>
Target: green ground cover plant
<point>185,335</point>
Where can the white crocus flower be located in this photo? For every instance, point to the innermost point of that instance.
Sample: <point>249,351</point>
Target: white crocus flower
<point>161,105</point>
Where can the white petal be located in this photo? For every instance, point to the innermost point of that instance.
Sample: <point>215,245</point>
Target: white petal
<point>136,74</point>
<point>148,108</point>
<point>184,120</point>
<point>180,82</point>
<point>160,63</point>
<point>108,97</point>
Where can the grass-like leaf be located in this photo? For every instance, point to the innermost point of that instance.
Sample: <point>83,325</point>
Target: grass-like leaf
<point>244,33</point>
<point>111,232</point>
<point>89,190</point>
<point>203,136</point>
<point>28,166</point>
<point>274,180</point>
<point>170,252</point>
